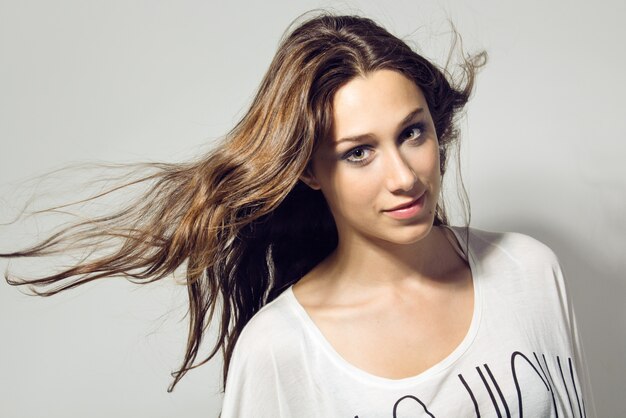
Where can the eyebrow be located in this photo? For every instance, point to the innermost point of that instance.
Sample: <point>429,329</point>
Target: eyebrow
<point>361,137</point>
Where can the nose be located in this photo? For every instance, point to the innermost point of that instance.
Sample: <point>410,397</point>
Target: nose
<point>400,175</point>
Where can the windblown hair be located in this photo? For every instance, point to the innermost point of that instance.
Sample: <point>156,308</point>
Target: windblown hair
<point>238,219</point>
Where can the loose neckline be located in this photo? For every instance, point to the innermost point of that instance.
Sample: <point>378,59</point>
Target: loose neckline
<point>360,374</point>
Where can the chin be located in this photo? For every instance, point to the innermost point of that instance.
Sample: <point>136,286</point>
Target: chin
<point>409,234</point>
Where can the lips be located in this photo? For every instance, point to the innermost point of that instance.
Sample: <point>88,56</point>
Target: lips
<point>406,205</point>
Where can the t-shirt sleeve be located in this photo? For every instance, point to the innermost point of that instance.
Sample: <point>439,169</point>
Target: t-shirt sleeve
<point>558,300</point>
<point>548,310</point>
<point>267,376</point>
<point>251,389</point>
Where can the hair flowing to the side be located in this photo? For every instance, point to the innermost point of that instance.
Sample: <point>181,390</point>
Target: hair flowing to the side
<point>238,219</point>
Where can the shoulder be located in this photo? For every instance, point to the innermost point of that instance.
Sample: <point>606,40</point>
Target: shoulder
<point>517,260</point>
<point>514,248</point>
<point>274,331</point>
<point>267,354</point>
<point>515,263</point>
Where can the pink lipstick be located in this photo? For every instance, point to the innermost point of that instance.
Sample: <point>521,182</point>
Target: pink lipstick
<point>408,210</point>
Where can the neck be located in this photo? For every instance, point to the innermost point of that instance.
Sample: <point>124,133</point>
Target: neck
<point>361,262</point>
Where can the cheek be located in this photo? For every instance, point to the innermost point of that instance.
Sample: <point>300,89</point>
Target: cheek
<point>425,162</point>
<point>353,187</point>
<point>346,188</point>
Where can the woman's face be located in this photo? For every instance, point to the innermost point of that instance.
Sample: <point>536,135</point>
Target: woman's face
<point>383,155</point>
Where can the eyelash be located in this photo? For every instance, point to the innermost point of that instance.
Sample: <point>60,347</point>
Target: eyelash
<point>417,126</point>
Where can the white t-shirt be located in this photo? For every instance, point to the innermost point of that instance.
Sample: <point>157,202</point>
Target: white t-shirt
<point>520,357</point>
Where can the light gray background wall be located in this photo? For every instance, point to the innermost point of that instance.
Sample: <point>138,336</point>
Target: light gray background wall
<point>117,81</point>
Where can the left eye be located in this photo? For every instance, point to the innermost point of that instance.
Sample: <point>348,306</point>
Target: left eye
<point>413,132</point>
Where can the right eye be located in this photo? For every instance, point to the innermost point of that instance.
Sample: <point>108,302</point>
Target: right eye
<point>358,155</point>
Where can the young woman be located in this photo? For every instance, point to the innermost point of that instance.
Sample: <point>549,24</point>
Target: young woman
<point>317,232</point>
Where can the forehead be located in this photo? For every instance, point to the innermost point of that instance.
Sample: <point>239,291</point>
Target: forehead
<point>374,103</point>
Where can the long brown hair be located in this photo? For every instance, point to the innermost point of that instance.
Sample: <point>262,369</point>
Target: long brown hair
<point>238,219</point>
